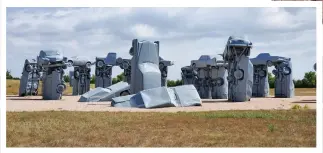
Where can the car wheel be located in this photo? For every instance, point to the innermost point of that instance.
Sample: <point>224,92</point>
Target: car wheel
<point>100,63</point>
<point>287,70</point>
<point>76,74</point>
<point>125,93</point>
<point>219,81</point>
<point>161,66</point>
<point>28,68</point>
<point>60,88</point>
<point>238,74</point>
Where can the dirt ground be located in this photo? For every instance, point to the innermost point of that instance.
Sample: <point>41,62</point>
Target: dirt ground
<point>69,103</point>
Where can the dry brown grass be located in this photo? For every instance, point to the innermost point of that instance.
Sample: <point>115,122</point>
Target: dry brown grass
<point>13,89</point>
<point>300,91</point>
<point>290,128</point>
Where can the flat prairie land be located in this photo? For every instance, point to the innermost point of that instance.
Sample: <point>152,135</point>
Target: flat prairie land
<point>13,89</point>
<point>262,122</point>
<point>258,128</point>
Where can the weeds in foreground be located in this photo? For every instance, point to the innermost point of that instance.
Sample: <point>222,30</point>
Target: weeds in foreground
<point>306,107</point>
<point>271,128</point>
<point>299,107</point>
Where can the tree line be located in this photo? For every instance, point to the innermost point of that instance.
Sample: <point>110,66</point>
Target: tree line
<point>308,81</point>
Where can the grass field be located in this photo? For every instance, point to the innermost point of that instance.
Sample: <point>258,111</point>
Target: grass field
<point>289,128</point>
<point>13,89</point>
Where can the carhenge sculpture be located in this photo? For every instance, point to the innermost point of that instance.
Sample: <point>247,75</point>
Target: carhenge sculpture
<point>29,81</point>
<point>240,69</point>
<point>53,64</point>
<point>210,77</point>
<point>125,64</point>
<point>284,85</point>
<point>144,66</point>
<point>219,80</point>
<point>260,86</point>
<point>103,70</point>
<point>189,75</point>
<point>81,75</point>
<point>163,67</point>
<point>131,79</point>
<point>145,87</point>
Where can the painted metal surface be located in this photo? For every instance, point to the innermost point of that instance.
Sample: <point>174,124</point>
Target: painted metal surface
<point>53,64</point>
<point>180,96</point>
<point>125,64</point>
<point>106,94</point>
<point>163,67</point>
<point>29,81</point>
<point>208,75</point>
<point>240,69</point>
<point>260,86</point>
<point>103,70</point>
<point>145,73</point>
<point>81,75</point>
<point>284,85</point>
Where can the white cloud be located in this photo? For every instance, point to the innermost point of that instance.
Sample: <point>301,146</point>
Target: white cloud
<point>184,33</point>
<point>143,30</point>
<point>274,18</point>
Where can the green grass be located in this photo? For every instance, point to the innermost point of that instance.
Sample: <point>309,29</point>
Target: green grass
<point>288,128</point>
<point>299,107</point>
<point>271,127</point>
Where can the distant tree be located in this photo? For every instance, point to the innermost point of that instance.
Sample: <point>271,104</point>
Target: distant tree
<point>310,79</point>
<point>118,78</point>
<point>114,80</point>
<point>171,83</point>
<point>92,81</point>
<point>179,82</point>
<point>8,75</point>
<point>66,78</point>
<point>271,80</point>
<point>298,83</point>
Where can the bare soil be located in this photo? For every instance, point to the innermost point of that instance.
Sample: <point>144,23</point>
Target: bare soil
<point>69,103</point>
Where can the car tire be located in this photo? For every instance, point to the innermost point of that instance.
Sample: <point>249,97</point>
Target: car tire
<point>125,93</point>
<point>28,68</point>
<point>219,81</point>
<point>99,63</point>
<point>288,72</point>
<point>76,74</point>
<point>239,74</point>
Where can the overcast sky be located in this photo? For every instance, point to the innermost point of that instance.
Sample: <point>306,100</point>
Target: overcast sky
<point>184,33</point>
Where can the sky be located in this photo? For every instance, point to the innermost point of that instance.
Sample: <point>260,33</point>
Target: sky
<point>184,33</point>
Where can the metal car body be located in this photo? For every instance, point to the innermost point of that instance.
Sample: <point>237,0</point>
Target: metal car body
<point>240,69</point>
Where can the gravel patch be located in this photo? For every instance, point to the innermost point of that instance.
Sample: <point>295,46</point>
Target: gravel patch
<point>69,103</point>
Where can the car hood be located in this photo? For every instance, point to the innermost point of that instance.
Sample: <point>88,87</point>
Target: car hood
<point>54,58</point>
